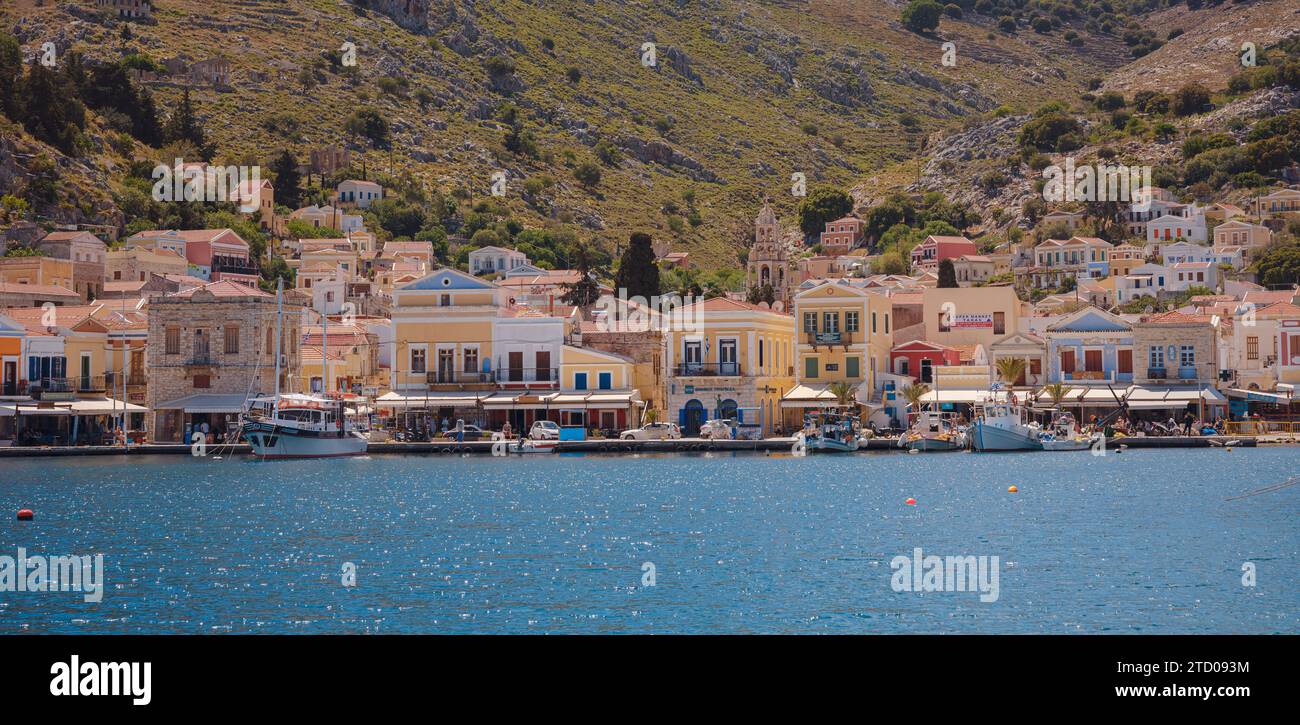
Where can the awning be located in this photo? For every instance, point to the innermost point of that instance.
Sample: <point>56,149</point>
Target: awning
<point>970,397</point>
<point>9,410</point>
<point>206,403</point>
<point>429,401</point>
<point>1261,396</point>
<point>107,406</point>
<point>808,396</point>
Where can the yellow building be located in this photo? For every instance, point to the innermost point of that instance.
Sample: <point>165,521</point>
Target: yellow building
<point>728,359</point>
<point>37,270</point>
<point>353,358</point>
<point>843,334</point>
<point>462,351</point>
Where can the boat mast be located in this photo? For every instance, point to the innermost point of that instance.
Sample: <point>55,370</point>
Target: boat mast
<point>325,351</point>
<point>279,314</point>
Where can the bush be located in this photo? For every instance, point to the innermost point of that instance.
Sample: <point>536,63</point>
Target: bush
<point>952,11</point>
<point>1007,24</point>
<point>1190,99</point>
<point>587,174</point>
<point>921,16</point>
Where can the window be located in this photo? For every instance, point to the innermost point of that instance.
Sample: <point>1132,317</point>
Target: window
<point>419,359</point>
<point>873,323</point>
<point>810,322</point>
<point>579,381</point>
<point>232,340</point>
<point>886,323</point>
<point>999,323</point>
<point>852,367</point>
<point>1125,361</point>
<point>202,381</point>
<point>810,367</point>
<point>831,320</point>
<point>1252,348</point>
<point>445,300</point>
<point>471,359</point>
<point>605,380</point>
<point>173,341</point>
<point>1156,357</point>
<point>851,321</point>
<point>1187,356</point>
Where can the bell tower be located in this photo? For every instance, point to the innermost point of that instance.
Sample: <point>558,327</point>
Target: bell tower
<point>767,257</point>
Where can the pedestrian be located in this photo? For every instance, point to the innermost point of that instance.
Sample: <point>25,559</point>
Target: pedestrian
<point>1188,421</point>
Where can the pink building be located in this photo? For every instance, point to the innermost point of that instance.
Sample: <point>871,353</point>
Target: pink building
<point>842,235</point>
<point>927,255</point>
<point>918,358</point>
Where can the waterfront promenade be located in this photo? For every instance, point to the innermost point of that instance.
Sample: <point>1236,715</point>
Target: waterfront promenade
<point>682,445</point>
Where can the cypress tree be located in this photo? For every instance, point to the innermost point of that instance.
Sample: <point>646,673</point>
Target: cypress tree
<point>183,125</point>
<point>947,274</point>
<point>11,74</point>
<point>287,179</point>
<point>637,271</point>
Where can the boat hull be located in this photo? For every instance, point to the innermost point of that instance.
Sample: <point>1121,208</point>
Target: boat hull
<point>988,438</point>
<point>830,446</point>
<point>930,445</point>
<point>286,443</point>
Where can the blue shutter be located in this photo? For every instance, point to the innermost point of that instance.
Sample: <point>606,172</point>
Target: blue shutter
<point>606,381</point>
<point>579,381</point>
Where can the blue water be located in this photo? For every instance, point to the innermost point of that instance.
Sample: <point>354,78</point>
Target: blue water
<point>1136,542</point>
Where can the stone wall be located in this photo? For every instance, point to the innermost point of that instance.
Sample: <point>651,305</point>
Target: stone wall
<point>646,350</point>
<point>1201,336</point>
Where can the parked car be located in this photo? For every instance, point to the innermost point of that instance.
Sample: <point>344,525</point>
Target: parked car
<point>652,432</point>
<point>472,433</point>
<point>545,430</point>
<point>719,428</point>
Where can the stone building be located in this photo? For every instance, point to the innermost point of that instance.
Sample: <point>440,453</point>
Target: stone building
<point>138,263</point>
<point>768,260</point>
<point>127,9</point>
<point>644,348</point>
<point>209,349</point>
<point>1175,348</point>
<point>87,253</point>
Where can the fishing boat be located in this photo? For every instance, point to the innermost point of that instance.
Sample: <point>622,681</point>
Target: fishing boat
<point>298,425</point>
<point>1064,435</point>
<point>934,431</point>
<point>1000,424</point>
<point>831,431</point>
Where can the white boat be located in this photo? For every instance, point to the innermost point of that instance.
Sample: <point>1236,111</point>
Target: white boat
<point>1064,435</point>
<point>528,445</point>
<point>1000,425</point>
<point>933,431</point>
<point>301,426</point>
<point>831,432</point>
<point>296,425</point>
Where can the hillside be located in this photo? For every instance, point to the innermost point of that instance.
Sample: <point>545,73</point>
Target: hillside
<point>744,94</point>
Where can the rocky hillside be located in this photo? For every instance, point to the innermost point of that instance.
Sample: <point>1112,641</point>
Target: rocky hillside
<point>742,95</point>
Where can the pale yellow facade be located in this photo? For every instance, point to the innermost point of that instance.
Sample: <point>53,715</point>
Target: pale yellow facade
<point>843,334</point>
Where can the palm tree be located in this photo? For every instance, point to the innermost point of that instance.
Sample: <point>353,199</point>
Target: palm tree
<point>913,394</point>
<point>1010,369</point>
<point>842,391</point>
<point>1057,392</point>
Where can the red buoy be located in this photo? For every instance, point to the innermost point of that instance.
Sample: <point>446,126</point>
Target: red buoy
<point>910,502</point>
<point>25,514</point>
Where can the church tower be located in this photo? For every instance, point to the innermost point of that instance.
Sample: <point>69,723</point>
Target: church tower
<point>768,263</point>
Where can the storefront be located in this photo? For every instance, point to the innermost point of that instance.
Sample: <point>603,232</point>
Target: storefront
<point>214,415</point>
<point>72,422</point>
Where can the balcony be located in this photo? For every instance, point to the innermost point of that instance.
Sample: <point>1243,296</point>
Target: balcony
<point>113,380</point>
<point>829,339</point>
<point>707,369</point>
<point>91,383</point>
<point>1157,373</point>
<point>1187,372</point>
<point>451,379</point>
<point>233,265</point>
<point>528,376</point>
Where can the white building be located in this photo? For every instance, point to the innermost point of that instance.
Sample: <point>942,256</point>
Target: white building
<point>358,193</point>
<point>495,260</point>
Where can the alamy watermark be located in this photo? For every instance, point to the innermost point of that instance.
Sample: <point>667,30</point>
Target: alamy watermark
<point>660,313</point>
<point>932,573</point>
<point>1103,182</point>
<point>53,574</point>
<point>206,183</point>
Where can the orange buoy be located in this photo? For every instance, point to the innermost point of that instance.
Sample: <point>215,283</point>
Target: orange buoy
<point>910,502</point>
<point>25,514</point>
<point>1013,489</point>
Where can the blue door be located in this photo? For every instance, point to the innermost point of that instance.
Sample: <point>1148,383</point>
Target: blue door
<point>692,418</point>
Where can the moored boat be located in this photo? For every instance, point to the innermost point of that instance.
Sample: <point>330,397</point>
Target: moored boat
<point>1000,425</point>
<point>933,431</point>
<point>832,432</point>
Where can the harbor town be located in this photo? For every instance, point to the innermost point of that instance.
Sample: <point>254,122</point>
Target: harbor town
<point>166,337</point>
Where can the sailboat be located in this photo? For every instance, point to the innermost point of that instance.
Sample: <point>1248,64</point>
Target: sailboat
<point>298,425</point>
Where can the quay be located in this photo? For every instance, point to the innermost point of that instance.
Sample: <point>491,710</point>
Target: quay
<point>682,445</point>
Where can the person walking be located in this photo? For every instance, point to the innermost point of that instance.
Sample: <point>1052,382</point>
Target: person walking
<point>1188,420</point>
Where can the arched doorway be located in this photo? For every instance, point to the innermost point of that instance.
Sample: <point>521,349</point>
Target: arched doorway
<point>692,418</point>
<point>728,409</point>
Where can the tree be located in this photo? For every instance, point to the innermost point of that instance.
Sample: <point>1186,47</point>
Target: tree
<point>1279,265</point>
<point>1191,98</point>
<point>11,74</point>
<point>637,271</point>
<point>585,291</point>
<point>184,125</point>
<point>1057,392</point>
<point>761,294</point>
<point>823,204</point>
<point>587,174</point>
<point>843,392</point>
<point>947,274</point>
<point>287,179</point>
<point>368,124</point>
<point>51,111</point>
<point>922,16</point>
<point>913,394</point>
<point>1010,369</point>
